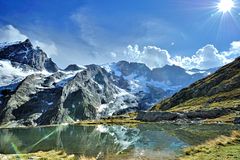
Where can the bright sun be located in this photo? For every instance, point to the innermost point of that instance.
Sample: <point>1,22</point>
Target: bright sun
<point>225,5</point>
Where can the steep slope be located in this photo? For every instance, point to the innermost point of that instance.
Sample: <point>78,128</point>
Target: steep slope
<point>219,90</point>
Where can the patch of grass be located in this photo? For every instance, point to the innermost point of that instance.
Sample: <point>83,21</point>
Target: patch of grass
<point>41,155</point>
<point>223,147</point>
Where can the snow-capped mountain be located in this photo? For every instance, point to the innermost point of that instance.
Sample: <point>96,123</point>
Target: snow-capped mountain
<point>150,86</point>
<point>23,53</point>
<point>34,91</point>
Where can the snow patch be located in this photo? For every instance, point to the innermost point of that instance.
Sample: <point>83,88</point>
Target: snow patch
<point>117,103</point>
<point>10,74</point>
<point>112,68</point>
<point>68,76</point>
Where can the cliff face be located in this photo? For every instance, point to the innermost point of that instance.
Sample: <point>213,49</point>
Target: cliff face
<point>219,90</point>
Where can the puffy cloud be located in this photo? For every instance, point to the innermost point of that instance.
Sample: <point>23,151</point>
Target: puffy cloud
<point>152,56</point>
<point>11,34</point>
<point>235,45</point>
<point>204,58</point>
<point>234,49</point>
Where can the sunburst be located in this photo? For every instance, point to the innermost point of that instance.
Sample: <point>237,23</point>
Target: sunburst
<point>225,6</point>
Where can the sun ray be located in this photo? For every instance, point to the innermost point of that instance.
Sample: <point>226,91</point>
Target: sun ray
<point>225,6</point>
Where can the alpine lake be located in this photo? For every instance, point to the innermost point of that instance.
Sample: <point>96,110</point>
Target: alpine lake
<point>138,141</point>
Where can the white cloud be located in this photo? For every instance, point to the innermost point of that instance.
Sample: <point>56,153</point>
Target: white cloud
<point>113,54</point>
<point>234,49</point>
<point>204,58</point>
<point>235,45</point>
<point>152,56</point>
<point>11,34</point>
<point>50,48</point>
<point>89,31</point>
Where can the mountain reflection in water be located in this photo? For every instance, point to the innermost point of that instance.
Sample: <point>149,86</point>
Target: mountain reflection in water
<point>164,141</point>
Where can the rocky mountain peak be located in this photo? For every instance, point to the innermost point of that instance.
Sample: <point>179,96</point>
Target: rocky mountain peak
<point>25,54</point>
<point>27,43</point>
<point>73,67</point>
<point>127,68</point>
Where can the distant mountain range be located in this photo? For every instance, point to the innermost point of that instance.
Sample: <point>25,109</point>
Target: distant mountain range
<point>35,91</point>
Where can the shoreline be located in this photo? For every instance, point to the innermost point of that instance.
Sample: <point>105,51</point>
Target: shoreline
<point>121,121</point>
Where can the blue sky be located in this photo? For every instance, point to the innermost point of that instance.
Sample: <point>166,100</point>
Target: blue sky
<point>100,31</point>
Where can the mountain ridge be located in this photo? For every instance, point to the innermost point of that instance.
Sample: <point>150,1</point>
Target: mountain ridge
<point>25,53</point>
<point>34,91</point>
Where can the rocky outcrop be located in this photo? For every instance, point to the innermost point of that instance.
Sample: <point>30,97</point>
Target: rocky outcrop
<point>25,54</point>
<point>73,67</point>
<point>236,120</point>
<point>157,116</point>
<point>186,116</point>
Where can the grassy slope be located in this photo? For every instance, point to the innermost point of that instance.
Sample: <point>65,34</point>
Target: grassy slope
<point>227,148</point>
<point>222,100</point>
<point>219,90</point>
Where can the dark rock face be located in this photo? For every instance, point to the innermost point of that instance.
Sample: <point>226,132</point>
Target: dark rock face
<point>72,67</point>
<point>127,68</point>
<point>236,120</point>
<point>25,54</point>
<point>157,116</point>
<point>126,110</point>
<point>168,74</point>
<point>50,66</point>
<point>210,114</point>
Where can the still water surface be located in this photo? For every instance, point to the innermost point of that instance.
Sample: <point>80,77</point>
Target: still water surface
<point>143,141</point>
